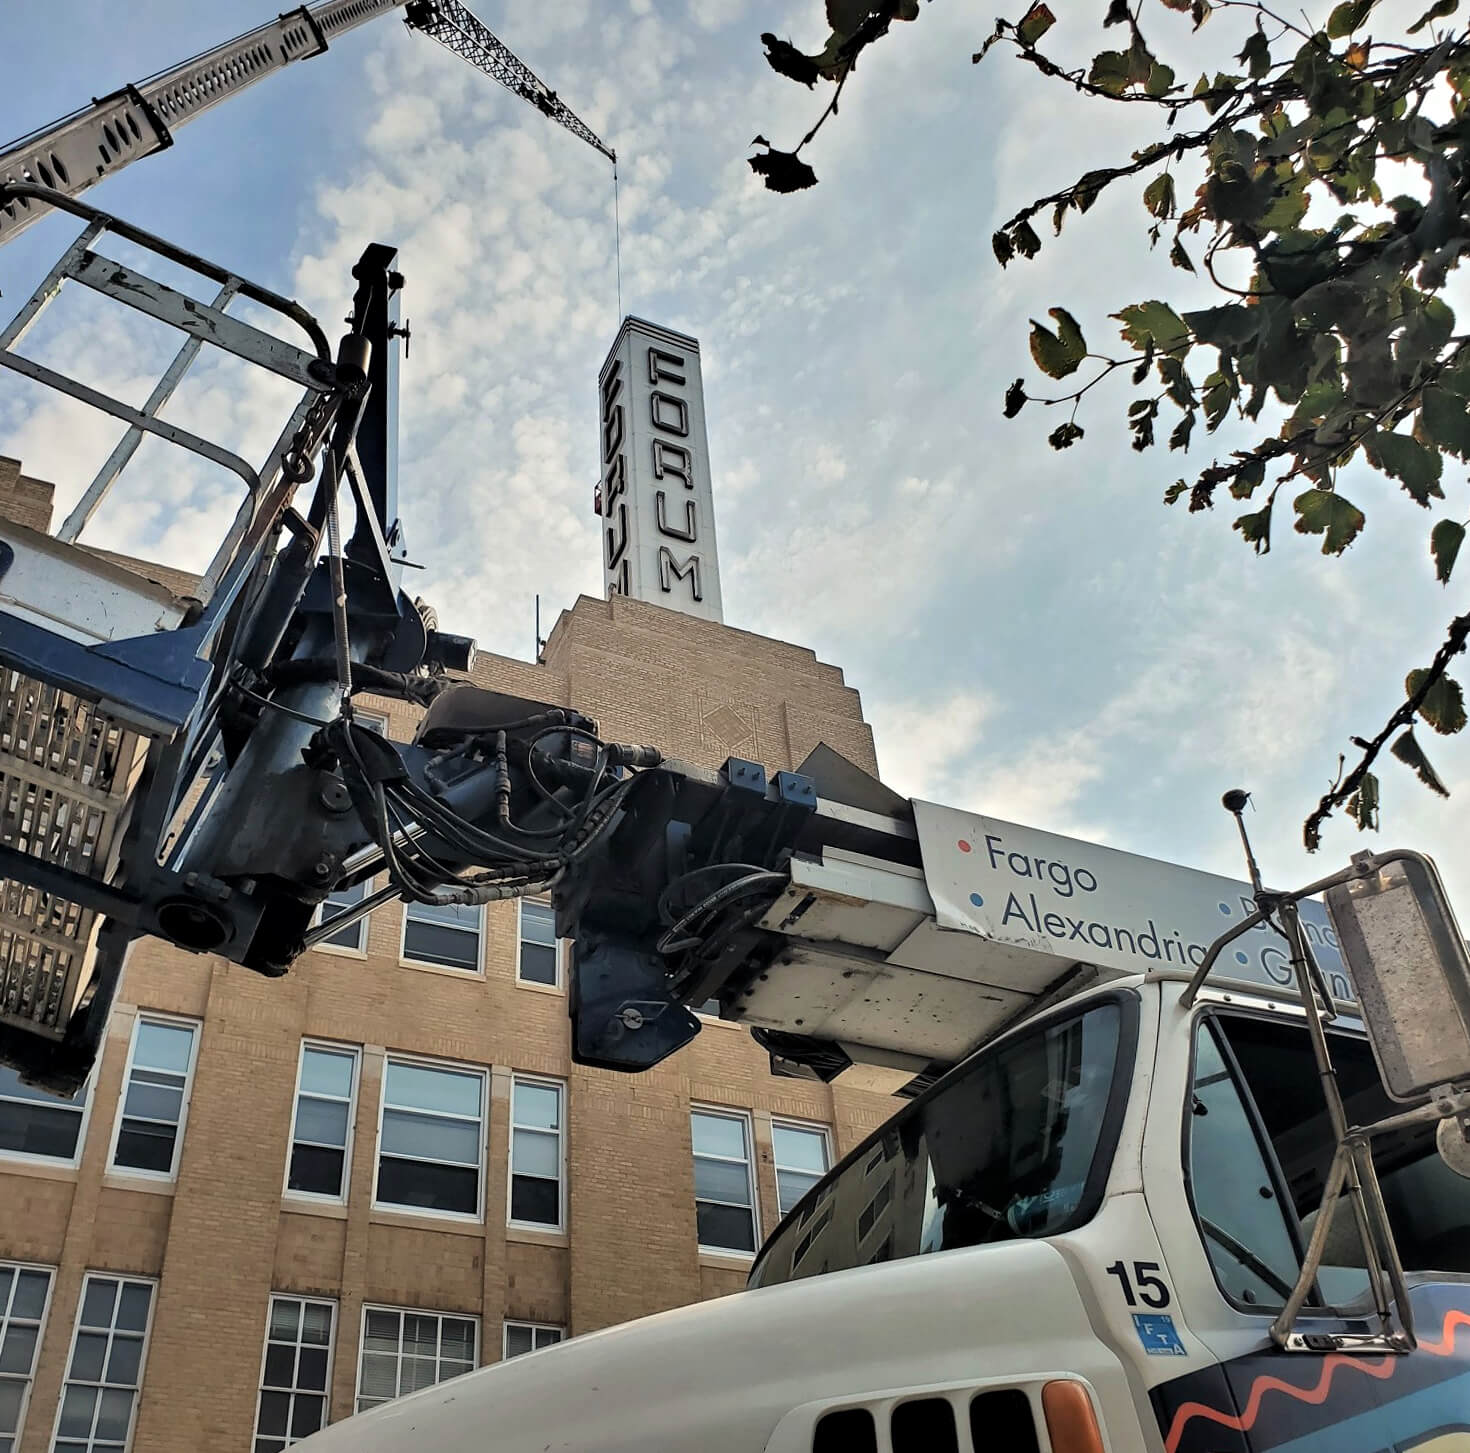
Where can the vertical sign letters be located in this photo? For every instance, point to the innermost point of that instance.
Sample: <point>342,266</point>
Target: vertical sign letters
<point>654,498</point>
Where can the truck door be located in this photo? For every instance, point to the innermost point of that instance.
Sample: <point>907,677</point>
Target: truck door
<point>1233,1186</point>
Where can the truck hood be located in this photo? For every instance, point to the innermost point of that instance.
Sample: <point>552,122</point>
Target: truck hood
<point>721,1374</point>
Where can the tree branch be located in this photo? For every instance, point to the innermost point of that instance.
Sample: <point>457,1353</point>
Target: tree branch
<point>1454,643</point>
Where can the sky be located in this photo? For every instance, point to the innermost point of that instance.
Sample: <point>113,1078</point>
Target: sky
<point>1034,635</point>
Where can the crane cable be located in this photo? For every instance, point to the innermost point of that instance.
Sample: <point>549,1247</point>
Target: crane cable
<point>618,241</point>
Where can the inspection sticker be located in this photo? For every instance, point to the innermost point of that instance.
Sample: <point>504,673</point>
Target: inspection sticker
<point>1157,1335</point>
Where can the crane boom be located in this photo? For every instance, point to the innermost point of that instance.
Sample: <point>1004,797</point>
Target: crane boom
<point>456,29</point>
<point>80,150</point>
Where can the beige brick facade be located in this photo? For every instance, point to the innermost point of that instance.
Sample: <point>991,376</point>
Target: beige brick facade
<point>221,1236</point>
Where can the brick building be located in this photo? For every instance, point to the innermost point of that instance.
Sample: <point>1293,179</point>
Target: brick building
<point>280,1200</point>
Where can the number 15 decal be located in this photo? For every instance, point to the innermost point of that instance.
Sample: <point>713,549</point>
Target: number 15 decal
<point>1151,1289</point>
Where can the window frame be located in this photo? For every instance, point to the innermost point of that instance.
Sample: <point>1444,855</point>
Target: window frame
<point>52,1273</point>
<point>377,722</point>
<point>809,1127</point>
<point>1110,1131</point>
<point>318,1197</point>
<point>476,1360</point>
<point>18,1158</point>
<point>435,966</point>
<point>396,1208</point>
<point>142,1173</point>
<point>558,951</point>
<point>725,1112</point>
<point>351,951</point>
<point>1316,1304</point>
<point>265,1343</point>
<point>533,1327</point>
<point>560,1086</point>
<point>121,1277</point>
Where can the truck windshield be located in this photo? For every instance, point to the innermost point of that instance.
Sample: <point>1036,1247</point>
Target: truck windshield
<point>1014,1143</point>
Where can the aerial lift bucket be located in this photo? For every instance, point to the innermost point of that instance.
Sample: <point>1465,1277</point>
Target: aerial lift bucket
<point>109,679</point>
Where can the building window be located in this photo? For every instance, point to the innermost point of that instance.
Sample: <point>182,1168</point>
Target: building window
<point>536,1153</point>
<point>724,1202</point>
<point>800,1153</point>
<point>431,1138</point>
<point>405,1351</point>
<point>446,935</point>
<point>106,1367</point>
<point>539,961</point>
<point>23,1294</point>
<point>38,1125</point>
<point>352,936</point>
<point>321,1129</point>
<point>523,1337</point>
<point>293,1378</point>
<point>151,1125</point>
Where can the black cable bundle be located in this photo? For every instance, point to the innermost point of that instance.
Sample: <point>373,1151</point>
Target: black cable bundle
<point>515,860</point>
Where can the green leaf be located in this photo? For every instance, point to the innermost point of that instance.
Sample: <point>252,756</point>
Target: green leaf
<point>786,60</point>
<point>1256,55</point>
<point>1248,478</point>
<point>1416,467</point>
<point>1407,749</point>
<point>1179,257</point>
<point>1064,436</point>
<point>1175,492</point>
<point>1015,398</point>
<point>782,171</point>
<point>1456,377</point>
<point>1110,71</point>
<point>1034,24</point>
<point>1001,246</point>
<point>1119,13</point>
<point>1153,321</point>
<point>1348,16</point>
<point>1445,540</point>
<point>1443,706</point>
<point>1179,438</point>
<point>1158,197</point>
<point>1255,529</point>
<point>1446,419</point>
<point>1363,804</point>
<point>1057,354</point>
<point>1160,80</point>
<point>1325,512</point>
<point>1141,416</point>
<point>1437,11</point>
<point>1023,236</point>
<point>1231,327</point>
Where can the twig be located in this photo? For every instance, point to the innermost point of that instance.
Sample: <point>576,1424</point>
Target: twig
<point>1454,643</point>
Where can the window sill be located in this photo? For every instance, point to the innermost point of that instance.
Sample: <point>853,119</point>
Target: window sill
<point>536,1236</point>
<point>302,1206</point>
<point>427,1221</point>
<point>726,1260</point>
<point>718,1023</point>
<point>472,975</point>
<point>122,1180</point>
<point>339,951</point>
<point>41,1170</point>
<point>555,990</point>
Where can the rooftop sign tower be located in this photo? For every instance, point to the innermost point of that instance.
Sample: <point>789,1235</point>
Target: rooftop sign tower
<point>655,498</point>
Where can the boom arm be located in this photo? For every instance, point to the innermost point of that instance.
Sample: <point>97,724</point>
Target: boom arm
<point>81,149</point>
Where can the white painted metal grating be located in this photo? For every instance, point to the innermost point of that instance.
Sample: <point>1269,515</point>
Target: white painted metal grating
<point>67,771</point>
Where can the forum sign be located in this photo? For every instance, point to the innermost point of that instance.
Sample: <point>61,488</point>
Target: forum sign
<point>654,498</point>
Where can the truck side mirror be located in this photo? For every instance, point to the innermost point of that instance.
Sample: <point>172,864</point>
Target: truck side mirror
<point>1408,963</point>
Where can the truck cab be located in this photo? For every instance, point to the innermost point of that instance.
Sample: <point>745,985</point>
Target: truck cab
<point>1075,1240</point>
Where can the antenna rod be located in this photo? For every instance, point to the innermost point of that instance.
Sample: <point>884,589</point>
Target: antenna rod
<point>1234,803</point>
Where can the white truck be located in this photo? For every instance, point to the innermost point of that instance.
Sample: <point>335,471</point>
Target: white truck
<point>1091,1233</point>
